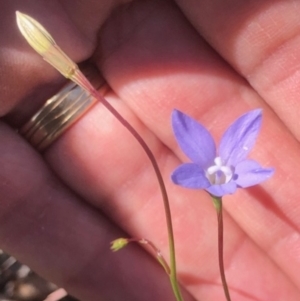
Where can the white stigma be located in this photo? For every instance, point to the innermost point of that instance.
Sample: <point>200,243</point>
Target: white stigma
<point>219,174</point>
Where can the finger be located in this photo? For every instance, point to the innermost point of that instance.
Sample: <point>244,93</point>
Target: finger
<point>86,287</point>
<point>89,15</point>
<point>121,182</point>
<point>59,272</point>
<point>58,235</point>
<point>79,155</point>
<point>22,69</point>
<point>261,41</point>
<point>153,82</point>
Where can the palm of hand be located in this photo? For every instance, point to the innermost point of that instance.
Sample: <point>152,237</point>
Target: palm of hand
<point>54,207</point>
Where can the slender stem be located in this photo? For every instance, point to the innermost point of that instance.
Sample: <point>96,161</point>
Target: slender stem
<point>218,205</point>
<point>173,276</point>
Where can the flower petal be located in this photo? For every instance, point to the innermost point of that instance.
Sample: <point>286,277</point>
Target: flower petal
<point>240,137</point>
<point>220,190</point>
<point>194,139</point>
<point>250,173</point>
<point>190,175</point>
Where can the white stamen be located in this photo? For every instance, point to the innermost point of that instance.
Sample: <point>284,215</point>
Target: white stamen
<point>219,173</point>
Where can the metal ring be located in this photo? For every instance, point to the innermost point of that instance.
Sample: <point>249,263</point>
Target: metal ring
<point>60,112</point>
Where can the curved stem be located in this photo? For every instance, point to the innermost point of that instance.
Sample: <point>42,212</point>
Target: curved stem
<point>218,205</point>
<point>38,37</point>
<point>173,276</point>
<point>84,83</point>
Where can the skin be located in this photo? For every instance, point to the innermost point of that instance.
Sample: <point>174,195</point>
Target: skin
<point>214,60</point>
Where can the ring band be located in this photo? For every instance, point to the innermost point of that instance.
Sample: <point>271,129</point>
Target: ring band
<point>60,112</point>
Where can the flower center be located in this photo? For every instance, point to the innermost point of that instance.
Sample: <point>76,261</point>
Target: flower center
<point>219,174</point>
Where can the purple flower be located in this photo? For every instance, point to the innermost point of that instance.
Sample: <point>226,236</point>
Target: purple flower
<point>224,171</point>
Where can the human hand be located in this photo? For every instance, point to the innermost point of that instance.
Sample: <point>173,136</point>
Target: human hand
<point>154,61</point>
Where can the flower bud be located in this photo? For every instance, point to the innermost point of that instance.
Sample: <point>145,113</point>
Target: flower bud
<point>43,43</point>
<point>118,244</point>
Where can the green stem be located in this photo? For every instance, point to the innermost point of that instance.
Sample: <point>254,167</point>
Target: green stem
<point>218,205</point>
<point>130,128</point>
